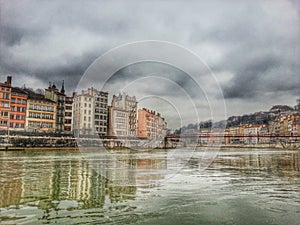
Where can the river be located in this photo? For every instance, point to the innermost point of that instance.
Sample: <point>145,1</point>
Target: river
<point>241,186</point>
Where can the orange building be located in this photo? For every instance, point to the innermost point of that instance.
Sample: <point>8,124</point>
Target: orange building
<point>151,125</point>
<point>5,95</point>
<point>18,105</point>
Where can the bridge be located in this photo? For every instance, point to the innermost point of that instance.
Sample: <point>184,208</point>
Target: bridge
<point>226,139</point>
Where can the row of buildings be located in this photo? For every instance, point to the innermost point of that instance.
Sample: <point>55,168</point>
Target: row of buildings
<point>285,126</point>
<point>93,116</point>
<point>85,113</point>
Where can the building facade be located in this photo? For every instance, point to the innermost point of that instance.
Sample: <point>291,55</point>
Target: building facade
<point>59,97</point>
<point>100,112</point>
<point>90,112</point>
<point>151,125</point>
<point>40,114</point>
<point>83,116</point>
<point>123,116</point>
<point>118,122</point>
<point>5,96</point>
<point>18,106</point>
<point>253,133</point>
<point>161,126</point>
<point>68,115</point>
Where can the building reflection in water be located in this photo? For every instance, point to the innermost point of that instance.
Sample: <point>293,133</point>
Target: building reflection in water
<point>11,183</point>
<point>283,164</point>
<point>49,180</point>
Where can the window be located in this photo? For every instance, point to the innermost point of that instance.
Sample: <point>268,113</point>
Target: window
<point>12,116</point>
<point>6,96</point>
<point>11,124</point>
<point>5,104</point>
<point>19,101</point>
<point>18,117</point>
<point>18,109</point>
<point>4,113</point>
<point>12,108</point>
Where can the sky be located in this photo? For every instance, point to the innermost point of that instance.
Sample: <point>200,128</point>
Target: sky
<point>251,50</point>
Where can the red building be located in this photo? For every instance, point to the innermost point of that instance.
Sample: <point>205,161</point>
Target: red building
<point>5,95</point>
<point>18,106</point>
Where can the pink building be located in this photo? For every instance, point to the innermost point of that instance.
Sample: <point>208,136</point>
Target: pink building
<point>151,125</point>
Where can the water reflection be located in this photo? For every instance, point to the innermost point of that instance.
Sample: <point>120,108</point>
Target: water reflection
<point>280,163</point>
<point>55,185</point>
<point>53,177</point>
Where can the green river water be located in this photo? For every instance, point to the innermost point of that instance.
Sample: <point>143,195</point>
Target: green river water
<point>241,186</point>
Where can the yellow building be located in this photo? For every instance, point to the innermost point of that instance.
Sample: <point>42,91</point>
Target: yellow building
<point>40,114</point>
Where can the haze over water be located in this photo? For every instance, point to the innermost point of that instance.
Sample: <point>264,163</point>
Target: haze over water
<point>59,187</point>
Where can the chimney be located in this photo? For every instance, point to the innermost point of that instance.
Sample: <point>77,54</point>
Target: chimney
<point>74,94</point>
<point>8,81</point>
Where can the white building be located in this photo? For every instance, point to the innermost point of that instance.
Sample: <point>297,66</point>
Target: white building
<point>123,116</point>
<point>90,112</point>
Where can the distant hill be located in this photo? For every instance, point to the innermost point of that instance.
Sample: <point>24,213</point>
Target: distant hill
<point>281,108</point>
<point>254,118</point>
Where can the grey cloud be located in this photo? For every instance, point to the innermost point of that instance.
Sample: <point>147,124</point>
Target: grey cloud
<point>246,82</point>
<point>254,41</point>
<point>174,78</point>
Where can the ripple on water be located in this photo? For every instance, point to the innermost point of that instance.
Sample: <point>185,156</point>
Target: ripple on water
<point>240,187</point>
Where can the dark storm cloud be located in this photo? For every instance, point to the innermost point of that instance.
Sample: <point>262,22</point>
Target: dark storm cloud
<point>251,46</point>
<point>155,72</point>
<point>10,36</point>
<point>249,79</point>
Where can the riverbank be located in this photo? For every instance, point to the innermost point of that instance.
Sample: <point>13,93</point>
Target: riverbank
<point>11,148</point>
<point>263,146</point>
<point>68,148</point>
